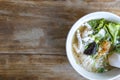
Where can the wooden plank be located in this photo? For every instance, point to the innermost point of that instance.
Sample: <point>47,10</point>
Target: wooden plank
<point>36,67</point>
<point>41,26</point>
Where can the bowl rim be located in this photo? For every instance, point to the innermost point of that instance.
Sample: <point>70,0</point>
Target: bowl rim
<point>70,55</point>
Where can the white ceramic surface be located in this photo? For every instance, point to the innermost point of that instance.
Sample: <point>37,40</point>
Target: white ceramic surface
<point>110,75</point>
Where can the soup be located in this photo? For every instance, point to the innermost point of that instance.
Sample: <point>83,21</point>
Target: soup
<point>94,42</point>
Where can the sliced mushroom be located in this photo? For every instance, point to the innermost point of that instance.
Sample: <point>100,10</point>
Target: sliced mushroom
<point>91,49</point>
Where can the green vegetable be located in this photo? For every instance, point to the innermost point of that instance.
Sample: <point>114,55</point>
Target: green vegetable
<point>97,24</point>
<point>101,70</point>
<point>101,24</point>
<point>119,32</point>
<point>118,37</point>
<point>117,48</point>
<point>112,29</point>
<point>98,38</point>
<point>94,23</point>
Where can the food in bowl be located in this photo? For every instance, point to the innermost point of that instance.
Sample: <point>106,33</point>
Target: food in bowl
<point>94,42</point>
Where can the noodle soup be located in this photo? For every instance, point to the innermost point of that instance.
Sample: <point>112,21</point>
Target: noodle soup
<point>94,42</point>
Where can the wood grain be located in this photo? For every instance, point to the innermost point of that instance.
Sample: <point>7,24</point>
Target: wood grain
<point>33,35</point>
<point>36,67</point>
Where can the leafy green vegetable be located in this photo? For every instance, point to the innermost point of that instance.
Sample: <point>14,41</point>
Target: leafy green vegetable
<point>97,24</point>
<point>112,29</point>
<point>101,24</point>
<point>94,23</point>
<point>106,37</point>
<point>101,70</point>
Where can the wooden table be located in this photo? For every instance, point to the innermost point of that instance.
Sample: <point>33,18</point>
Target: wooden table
<point>33,35</point>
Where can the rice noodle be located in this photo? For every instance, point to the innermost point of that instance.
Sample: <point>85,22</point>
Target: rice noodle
<point>80,45</point>
<point>78,49</point>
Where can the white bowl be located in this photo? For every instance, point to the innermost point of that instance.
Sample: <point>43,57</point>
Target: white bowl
<point>110,75</point>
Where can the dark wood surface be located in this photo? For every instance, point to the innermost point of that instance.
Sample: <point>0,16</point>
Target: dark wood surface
<point>33,35</point>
